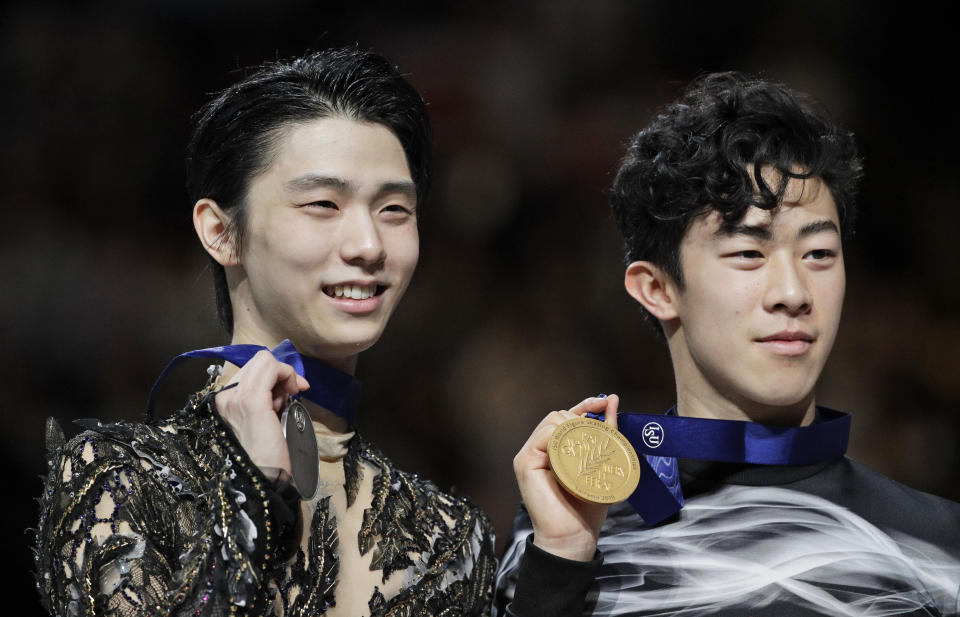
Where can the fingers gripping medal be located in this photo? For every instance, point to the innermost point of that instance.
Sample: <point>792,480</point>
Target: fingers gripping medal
<point>593,461</point>
<point>333,390</point>
<point>302,446</point>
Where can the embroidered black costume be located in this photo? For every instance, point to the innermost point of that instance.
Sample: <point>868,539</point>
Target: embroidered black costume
<point>173,518</point>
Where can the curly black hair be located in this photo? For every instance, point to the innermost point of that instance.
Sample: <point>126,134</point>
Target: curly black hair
<point>697,155</point>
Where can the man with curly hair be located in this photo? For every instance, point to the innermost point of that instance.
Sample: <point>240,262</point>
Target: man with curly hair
<point>734,204</point>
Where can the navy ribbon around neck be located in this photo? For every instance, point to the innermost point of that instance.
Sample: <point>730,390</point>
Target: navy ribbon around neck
<point>333,390</point>
<point>662,439</point>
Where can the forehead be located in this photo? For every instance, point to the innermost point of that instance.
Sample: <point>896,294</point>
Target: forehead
<point>804,202</point>
<point>339,147</point>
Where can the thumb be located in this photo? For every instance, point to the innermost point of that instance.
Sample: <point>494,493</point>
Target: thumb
<point>610,415</point>
<point>302,383</point>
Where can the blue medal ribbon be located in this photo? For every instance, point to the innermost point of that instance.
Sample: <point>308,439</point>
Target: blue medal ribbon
<point>662,439</point>
<point>333,390</point>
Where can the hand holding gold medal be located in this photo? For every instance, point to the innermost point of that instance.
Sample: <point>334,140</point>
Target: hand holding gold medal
<point>564,506</point>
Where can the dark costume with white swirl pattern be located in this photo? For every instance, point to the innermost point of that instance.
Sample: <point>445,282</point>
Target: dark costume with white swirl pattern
<point>833,539</point>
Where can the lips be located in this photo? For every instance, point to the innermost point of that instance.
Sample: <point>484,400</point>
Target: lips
<point>356,297</point>
<point>788,335</point>
<point>354,291</point>
<point>787,342</point>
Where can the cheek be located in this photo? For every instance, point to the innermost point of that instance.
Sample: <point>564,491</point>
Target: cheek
<point>404,248</point>
<point>279,263</point>
<point>414,255</point>
<point>302,246</point>
<point>833,293</point>
<point>720,298</point>
<point>829,286</point>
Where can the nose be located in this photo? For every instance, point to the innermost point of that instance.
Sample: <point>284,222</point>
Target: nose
<point>361,244</point>
<point>787,288</point>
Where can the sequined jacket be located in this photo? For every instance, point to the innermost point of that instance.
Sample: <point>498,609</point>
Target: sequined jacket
<point>173,518</point>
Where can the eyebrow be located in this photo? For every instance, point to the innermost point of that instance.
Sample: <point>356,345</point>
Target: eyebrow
<point>739,229</point>
<point>404,187</point>
<point>763,233</point>
<point>313,181</point>
<point>308,182</point>
<point>817,227</point>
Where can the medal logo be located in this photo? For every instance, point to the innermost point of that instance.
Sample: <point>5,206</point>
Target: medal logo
<point>300,417</point>
<point>652,434</point>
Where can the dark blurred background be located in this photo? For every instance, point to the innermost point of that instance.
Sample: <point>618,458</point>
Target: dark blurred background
<point>517,307</point>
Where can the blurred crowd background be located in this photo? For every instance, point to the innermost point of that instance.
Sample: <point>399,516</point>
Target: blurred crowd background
<point>517,307</point>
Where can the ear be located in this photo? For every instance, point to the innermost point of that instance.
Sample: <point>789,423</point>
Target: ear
<point>649,285</point>
<point>212,225</point>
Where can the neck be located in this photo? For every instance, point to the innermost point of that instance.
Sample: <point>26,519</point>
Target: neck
<point>330,420</point>
<point>693,404</point>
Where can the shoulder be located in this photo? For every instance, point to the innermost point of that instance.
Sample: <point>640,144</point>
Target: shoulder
<point>116,456</point>
<point>876,481</point>
<point>181,442</point>
<point>894,505</point>
<point>122,457</point>
<point>101,448</point>
<point>103,491</point>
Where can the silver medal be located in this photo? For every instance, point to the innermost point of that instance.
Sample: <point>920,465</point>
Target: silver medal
<point>302,445</point>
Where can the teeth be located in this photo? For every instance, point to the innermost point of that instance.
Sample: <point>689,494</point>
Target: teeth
<point>354,292</point>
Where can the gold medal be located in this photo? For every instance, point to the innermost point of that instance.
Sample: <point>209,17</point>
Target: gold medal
<point>593,461</point>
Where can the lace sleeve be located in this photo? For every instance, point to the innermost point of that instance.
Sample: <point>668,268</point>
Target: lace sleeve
<point>480,582</point>
<point>135,523</point>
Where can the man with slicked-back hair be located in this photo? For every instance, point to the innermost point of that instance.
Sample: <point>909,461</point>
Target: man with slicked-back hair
<point>260,497</point>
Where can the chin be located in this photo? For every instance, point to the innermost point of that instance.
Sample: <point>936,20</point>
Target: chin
<point>342,348</point>
<point>349,348</point>
<point>337,345</point>
<point>779,386</point>
<point>781,400</point>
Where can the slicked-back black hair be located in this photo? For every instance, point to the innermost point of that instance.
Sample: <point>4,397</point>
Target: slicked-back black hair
<point>235,134</point>
<point>696,156</point>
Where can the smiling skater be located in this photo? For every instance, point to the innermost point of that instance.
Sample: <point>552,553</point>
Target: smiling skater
<point>733,204</point>
<point>306,178</point>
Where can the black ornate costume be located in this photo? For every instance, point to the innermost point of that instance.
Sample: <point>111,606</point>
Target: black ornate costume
<point>173,518</point>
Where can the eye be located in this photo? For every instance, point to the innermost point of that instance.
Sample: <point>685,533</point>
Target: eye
<point>821,254</point>
<point>323,204</point>
<point>747,259</point>
<point>397,210</point>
